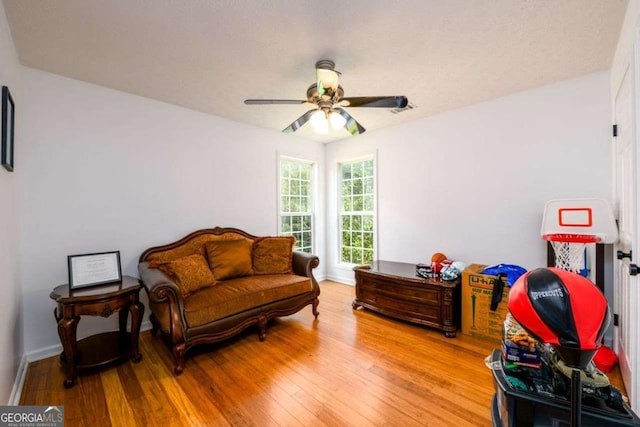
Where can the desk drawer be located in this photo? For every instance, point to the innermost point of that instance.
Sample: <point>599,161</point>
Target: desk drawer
<point>419,294</point>
<point>401,307</point>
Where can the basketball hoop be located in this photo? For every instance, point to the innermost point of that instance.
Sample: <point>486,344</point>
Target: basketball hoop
<point>572,224</point>
<point>569,249</point>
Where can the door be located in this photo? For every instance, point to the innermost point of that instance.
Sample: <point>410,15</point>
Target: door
<point>626,285</point>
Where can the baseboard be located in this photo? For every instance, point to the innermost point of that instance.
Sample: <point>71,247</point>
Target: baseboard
<point>43,353</point>
<point>16,391</point>
<point>340,279</point>
<point>146,325</point>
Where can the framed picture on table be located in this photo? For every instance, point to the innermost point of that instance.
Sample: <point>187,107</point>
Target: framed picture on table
<point>94,269</point>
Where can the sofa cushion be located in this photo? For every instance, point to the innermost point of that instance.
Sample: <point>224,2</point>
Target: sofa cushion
<point>229,258</point>
<point>235,296</point>
<point>192,246</point>
<point>191,273</point>
<point>273,255</point>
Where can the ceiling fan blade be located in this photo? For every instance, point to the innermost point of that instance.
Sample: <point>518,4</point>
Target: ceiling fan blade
<point>297,124</point>
<point>375,101</point>
<point>352,126</point>
<point>273,101</point>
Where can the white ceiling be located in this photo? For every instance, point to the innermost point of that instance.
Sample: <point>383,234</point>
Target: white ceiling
<point>210,55</point>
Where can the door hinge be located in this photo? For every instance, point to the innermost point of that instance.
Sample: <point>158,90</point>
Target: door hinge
<point>621,255</point>
<point>615,130</point>
<point>616,319</point>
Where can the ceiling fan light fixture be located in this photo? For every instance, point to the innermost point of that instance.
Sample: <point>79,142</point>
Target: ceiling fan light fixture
<point>319,123</point>
<point>336,120</point>
<point>328,79</point>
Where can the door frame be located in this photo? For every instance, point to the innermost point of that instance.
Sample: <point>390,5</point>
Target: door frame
<point>632,379</point>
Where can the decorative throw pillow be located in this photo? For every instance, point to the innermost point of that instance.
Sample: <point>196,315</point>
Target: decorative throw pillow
<point>190,273</point>
<point>229,258</point>
<point>273,255</point>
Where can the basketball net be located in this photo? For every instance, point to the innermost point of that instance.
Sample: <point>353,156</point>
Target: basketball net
<point>570,250</point>
<point>569,256</point>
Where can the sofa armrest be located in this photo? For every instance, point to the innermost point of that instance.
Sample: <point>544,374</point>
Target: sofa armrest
<point>303,265</point>
<point>158,285</point>
<point>162,290</point>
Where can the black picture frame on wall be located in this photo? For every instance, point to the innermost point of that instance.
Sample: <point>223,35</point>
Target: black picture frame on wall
<point>8,128</point>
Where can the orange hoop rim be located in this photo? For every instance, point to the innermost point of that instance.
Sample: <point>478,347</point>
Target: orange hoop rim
<point>572,238</point>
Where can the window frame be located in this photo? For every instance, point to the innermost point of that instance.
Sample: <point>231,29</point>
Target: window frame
<point>339,211</point>
<point>312,199</point>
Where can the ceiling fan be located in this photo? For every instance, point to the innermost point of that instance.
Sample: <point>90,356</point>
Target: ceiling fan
<point>326,95</point>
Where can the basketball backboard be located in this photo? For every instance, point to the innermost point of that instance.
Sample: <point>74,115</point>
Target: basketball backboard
<point>580,217</point>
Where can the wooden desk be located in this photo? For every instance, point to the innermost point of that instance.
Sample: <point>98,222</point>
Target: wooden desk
<point>101,349</point>
<point>394,289</point>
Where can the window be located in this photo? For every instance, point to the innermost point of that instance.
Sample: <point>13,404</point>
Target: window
<point>296,202</point>
<point>357,212</point>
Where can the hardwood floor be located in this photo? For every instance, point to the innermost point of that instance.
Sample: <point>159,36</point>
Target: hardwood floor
<point>347,368</point>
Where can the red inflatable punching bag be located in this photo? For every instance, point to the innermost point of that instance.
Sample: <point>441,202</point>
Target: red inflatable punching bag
<point>563,309</point>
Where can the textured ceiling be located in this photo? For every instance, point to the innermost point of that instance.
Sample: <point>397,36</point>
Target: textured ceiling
<point>211,55</point>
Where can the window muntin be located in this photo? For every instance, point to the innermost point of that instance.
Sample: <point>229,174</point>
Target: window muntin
<point>296,202</point>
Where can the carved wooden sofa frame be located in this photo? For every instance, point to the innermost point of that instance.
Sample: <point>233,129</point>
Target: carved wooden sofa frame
<point>181,337</point>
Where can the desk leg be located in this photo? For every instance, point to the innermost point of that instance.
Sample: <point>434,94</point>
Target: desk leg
<point>67,332</point>
<point>449,313</point>
<point>137,311</point>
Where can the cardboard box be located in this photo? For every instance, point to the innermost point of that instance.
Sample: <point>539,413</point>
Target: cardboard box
<point>477,318</point>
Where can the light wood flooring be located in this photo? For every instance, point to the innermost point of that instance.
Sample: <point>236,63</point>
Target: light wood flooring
<point>347,368</point>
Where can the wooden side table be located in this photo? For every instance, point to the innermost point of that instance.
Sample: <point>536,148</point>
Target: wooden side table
<point>105,348</point>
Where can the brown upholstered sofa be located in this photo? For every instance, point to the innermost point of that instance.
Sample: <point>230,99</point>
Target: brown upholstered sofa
<point>214,283</point>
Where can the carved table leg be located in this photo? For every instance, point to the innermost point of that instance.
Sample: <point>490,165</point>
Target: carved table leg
<point>122,321</point>
<point>67,332</point>
<point>137,311</point>
<point>57,313</point>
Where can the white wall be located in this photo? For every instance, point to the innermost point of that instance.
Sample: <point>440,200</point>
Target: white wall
<point>11,333</point>
<point>472,183</point>
<point>105,170</point>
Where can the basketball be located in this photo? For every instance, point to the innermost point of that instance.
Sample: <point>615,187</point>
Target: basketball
<point>438,257</point>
